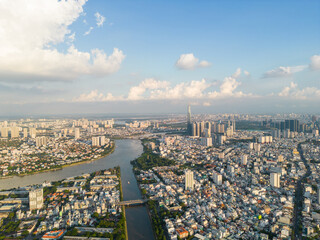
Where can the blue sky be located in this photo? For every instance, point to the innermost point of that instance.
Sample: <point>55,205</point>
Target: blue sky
<point>206,53</point>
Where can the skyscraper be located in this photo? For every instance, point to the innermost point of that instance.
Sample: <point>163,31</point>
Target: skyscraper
<point>36,198</point>
<point>189,125</point>
<point>77,133</point>
<point>189,180</point>
<point>275,180</point>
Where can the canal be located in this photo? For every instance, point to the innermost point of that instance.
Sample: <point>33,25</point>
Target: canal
<point>138,222</point>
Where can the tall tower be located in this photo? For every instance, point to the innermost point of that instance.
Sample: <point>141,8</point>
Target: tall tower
<point>189,125</point>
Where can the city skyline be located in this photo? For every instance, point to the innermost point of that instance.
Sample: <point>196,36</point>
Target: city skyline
<point>92,57</point>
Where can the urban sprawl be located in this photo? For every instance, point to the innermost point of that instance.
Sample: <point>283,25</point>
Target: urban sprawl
<point>222,176</point>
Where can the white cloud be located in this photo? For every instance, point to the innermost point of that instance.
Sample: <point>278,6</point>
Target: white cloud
<point>284,71</point>
<point>151,89</point>
<point>95,96</point>
<point>292,91</point>
<point>188,62</point>
<point>315,62</point>
<point>88,32</point>
<point>136,92</point>
<point>29,31</point>
<point>99,19</point>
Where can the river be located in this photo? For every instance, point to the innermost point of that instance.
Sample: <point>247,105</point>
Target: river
<point>138,222</point>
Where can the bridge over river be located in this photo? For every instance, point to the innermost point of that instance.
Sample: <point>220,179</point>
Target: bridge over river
<point>132,202</point>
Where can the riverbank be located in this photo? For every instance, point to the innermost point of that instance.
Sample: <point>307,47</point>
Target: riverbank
<point>110,151</point>
<point>138,223</point>
<point>99,220</point>
<point>123,207</point>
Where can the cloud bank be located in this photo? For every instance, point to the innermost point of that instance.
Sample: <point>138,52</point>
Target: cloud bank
<point>152,89</point>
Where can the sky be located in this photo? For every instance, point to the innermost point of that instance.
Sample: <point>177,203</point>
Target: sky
<point>65,57</point>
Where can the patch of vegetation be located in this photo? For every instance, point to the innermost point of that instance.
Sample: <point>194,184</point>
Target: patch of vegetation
<point>148,160</point>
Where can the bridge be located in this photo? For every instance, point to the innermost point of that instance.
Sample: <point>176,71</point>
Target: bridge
<point>132,202</point>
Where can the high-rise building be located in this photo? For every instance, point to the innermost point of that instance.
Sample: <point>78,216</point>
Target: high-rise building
<point>41,141</point>
<point>194,129</point>
<point>275,180</point>
<point>318,194</point>
<point>189,124</point>
<point>189,180</point>
<point>217,178</point>
<point>4,132</point>
<point>206,141</point>
<point>32,132</point>
<point>36,198</point>
<point>77,133</point>
<point>244,159</point>
<point>294,125</point>
<point>14,132</point>
<point>25,132</point>
<point>99,141</point>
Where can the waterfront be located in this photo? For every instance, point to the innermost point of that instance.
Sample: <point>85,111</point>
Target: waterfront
<point>138,223</point>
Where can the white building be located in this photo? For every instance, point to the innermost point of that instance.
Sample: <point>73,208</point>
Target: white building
<point>189,180</point>
<point>32,132</point>
<point>36,198</point>
<point>99,141</point>
<point>14,132</point>
<point>41,141</point>
<point>4,132</point>
<point>275,179</point>
<point>77,133</point>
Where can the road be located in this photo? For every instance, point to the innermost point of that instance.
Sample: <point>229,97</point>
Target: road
<point>299,198</point>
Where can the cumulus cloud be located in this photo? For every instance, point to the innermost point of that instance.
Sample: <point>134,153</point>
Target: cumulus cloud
<point>315,62</point>
<point>29,32</point>
<point>228,87</point>
<point>99,19</point>
<point>136,92</point>
<point>95,96</point>
<point>284,71</point>
<point>152,89</point>
<point>292,91</point>
<point>188,62</point>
